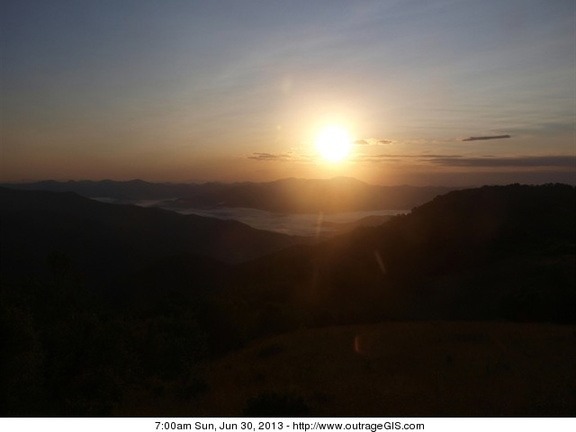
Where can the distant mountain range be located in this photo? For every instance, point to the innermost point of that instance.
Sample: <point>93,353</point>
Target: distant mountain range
<point>288,195</point>
<point>40,230</point>
<point>464,254</point>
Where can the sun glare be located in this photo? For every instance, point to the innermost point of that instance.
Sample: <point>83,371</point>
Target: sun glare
<point>333,143</point>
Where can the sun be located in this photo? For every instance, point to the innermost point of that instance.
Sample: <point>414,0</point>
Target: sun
<point>333,143</point>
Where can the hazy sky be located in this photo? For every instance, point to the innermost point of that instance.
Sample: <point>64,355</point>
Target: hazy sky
<point>193,90</point>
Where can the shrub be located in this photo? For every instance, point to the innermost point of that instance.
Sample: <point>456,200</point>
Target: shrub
<point>272,404</point>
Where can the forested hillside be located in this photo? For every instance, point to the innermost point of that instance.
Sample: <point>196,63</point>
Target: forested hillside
<point>100,302</point>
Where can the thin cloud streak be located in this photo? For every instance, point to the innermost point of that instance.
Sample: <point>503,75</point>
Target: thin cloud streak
<point>280,157</point>
<point>398,157</point>
<point>372,141</point>
<point>449,160</point>
<point>527,161</point>
<point>488,137</point>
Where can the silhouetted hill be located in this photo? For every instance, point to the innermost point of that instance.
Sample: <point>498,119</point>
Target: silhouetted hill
<point>287,195</point>
<point>368,221</point>
<point>501,252</point>
<point>43,230</point>
<point>119,190</point>
<point>472,226</point>
<point>412,369</point>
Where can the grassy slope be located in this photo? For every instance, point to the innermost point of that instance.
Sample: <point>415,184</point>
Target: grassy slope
<point>397,369</point>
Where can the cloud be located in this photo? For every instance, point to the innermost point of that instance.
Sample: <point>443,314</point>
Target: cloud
<point>267,156</point>
<point>387,157</point>
<point>451,160</point>
<point>280,157</point>
<point>448,160</point>
<point>527,161</point>
<point>377,158</point>
<point>372,141</point>
<point>487,137</point>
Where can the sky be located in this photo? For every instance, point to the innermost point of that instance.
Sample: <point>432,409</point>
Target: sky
<point>431,92</point>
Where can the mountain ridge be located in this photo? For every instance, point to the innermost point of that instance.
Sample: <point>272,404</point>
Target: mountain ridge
<point>111,238</point>
<point>104,304</point>
<point>291,195</point>
<point>491,253</point>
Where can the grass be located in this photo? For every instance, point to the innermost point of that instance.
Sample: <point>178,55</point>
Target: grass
<point>400,369</point>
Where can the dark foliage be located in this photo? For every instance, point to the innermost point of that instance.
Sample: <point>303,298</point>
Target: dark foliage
<point>276,405</point>
<point>99,301</point>
<point>66,353</point>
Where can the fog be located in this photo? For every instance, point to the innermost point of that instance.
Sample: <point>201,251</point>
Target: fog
<point>302,224</point>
